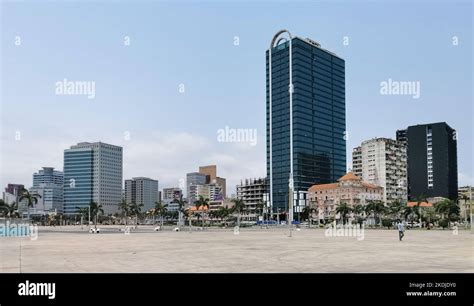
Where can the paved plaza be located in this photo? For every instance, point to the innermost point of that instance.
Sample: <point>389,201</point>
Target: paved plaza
<point>70,249</point>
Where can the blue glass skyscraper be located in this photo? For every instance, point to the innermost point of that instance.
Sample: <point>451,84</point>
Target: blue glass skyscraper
<point>313,145</point>
<point>78,176</point>
<point>93,172</point>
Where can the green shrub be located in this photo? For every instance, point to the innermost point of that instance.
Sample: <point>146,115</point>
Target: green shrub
<point>387,223</point>
<point>454,217</point>
<point>444,223</point>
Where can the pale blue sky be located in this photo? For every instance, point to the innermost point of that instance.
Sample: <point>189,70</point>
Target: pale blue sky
<point>193,43</point>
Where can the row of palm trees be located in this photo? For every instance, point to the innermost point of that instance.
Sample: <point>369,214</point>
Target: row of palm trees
<point>130,210</point>
<point>9,210</point>
<point>135,210</point>
<point>447,209</point>
<point>92,211</point>
<point>12,210</point>
<point>378,210</point>
<point>222,214</point>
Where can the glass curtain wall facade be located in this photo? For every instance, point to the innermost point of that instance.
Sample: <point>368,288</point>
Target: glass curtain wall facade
<point>319,147</point>
<point>78,179</point>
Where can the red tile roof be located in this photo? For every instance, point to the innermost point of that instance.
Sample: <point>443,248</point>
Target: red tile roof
<point>349,177</point>
<point>323,187</point>
<point>368,185</point>
<point>422,204</point>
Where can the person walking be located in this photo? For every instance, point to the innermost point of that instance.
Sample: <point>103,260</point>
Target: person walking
<point>401,230</point>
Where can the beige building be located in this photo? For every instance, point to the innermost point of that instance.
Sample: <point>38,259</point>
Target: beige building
<point>212,192</point>
<point>210,172</point>
<point>349,189</point>
<point>216,205</point>
<point>383,162</point>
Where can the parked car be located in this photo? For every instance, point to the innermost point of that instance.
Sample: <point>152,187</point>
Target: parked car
<point>414,225</point>
<point>94,231</point>
<point>267,222</point>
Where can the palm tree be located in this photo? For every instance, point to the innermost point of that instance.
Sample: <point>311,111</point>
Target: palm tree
<point>181,209</point>
<point>212,214</point>
<point>161,210</point>
<point>448,207</point>
<point>151,212</point>
<point>307,213</point>
<point>430,215</point>
<point>83,212</point>
<point>343,209</point>
<point>223,213</point>
<point>358,210</point>
<point>9,210</point>
<point>2,209</point>
<point>125,208</point>
<point>95,210</point>
<point>187,215</point>
<point>135,210</point>
<point>407,212</point>
<point>32,199</point>
<point>464,197</point>
<point>239,207</point>
<point>201,202</point>
<point>395,208</point>
<point>259,208</point>
<point>376,208</point>
<point>419,210</point>
<point>441,208</point>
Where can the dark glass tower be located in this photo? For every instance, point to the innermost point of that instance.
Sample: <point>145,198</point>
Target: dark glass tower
<point>319,124</point>
<point>432,161</point>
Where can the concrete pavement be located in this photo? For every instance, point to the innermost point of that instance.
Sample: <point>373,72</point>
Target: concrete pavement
<point>70,249</point>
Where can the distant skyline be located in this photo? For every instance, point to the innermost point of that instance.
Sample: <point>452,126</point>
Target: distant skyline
<point>165,133</point>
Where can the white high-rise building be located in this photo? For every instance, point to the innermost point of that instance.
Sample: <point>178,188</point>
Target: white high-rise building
<point>383,162</point>
<point>142,190</point>
<point>49,185</point>
<point>357,161</point>
<point>212,192</point>
<point>93,172</point>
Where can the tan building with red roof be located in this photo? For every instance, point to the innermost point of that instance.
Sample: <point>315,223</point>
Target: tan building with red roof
<point>349,189</point>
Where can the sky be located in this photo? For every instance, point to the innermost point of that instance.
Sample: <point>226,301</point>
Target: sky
<point>141,55</point>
